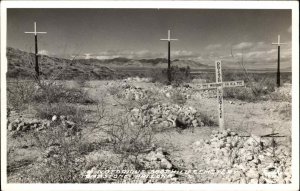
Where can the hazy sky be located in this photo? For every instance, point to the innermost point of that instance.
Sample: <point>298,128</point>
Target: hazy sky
<point>204,35</point>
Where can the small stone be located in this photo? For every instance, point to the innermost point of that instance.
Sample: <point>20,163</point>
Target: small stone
<point>270,172</point>
<point>62,117</point>
<point>249,157</point>
<point>228,145</point>
<point>243,180</point>
<point>253,181</point>
<point>242,167</point>
<point>165,164</point>
<point>54,118</point>
<point>25,128</point>
<point>232,133</point>
<point>197,143</point>
<point>19,128</point>
<point>252,173</point>
<point>11,126</point>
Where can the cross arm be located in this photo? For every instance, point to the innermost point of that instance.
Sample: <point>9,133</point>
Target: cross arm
<point>169,39</point>
<point>278,44</point>
<point>35,32</point>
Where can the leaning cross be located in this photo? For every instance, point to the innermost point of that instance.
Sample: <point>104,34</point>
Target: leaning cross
<point>278,60</point>
<point>169,54</point>
<point>219,85</point>
<point>37,71</point>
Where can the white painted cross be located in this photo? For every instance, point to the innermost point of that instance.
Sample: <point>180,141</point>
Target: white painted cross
<point>219,85</point>
<point>278,59</point>
<point>169,39</point>
<point>37,70</point>
<point>35,32</point>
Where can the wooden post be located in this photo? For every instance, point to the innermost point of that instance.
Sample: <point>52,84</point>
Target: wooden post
<point>169,55</point>
<point>278,67</point>
<point>37,70</point>
<point>169,62</point>
<point>278,60</point>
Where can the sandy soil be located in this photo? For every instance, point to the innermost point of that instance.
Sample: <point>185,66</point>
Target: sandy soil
<point>258,118</point>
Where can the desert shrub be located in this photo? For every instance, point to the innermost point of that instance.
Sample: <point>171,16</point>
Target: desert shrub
<point>62,160</point>
<point>47,111</point>
<point>157,75</point>
<point>179,75</point>
<point>207,120</point>
<point>258,86</point>
<point>128,135</point>
<point>14,166</point>
<point>19,94</point>
<point>244,94</point>
<point>281,94</point>
<point>52,92</point>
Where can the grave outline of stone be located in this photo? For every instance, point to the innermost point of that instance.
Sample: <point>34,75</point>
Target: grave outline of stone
<point>37,70</point>
<point>278,59</point>
<point>219,85</point>
<point>169,53</point>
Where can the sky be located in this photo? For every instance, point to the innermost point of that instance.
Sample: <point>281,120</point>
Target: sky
<point>205,35</point>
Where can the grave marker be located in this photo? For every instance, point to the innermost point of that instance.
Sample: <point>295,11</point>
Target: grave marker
<point>169,53</point>
<point>278,60</point>
<point>219,85</point>
<point>37,70</point>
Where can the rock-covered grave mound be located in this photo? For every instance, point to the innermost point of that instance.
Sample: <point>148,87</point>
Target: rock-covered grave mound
<point>251,159</point>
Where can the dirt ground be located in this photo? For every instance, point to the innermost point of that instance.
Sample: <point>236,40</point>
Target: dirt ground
<point>259,118</point>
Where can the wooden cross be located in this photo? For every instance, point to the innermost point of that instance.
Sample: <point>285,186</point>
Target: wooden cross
<point>37,71</point>
<point>278,60</point>
<point>219,85</point>
<point>169,53</point>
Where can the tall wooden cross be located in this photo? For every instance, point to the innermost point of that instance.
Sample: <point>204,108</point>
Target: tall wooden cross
<point>219,85</point>
<point>169,54</point>
<point>37,70</point>
<point>278,60</point>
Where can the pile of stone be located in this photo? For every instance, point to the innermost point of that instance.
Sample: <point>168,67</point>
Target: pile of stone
<point>165,115</point>
<point>188,91</point>
<point>198,94</point>
<point>137,79</point>
<point>23,124</point>
<point>170,91</point>
<point>248,159</point>
<point>155,160</point>
<point>130,92</point>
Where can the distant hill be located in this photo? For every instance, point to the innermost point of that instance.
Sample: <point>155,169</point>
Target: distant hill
<point>156,62</point>
<point>21,65</point>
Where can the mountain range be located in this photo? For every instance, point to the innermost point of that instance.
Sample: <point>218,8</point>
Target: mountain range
<point>21,64</point>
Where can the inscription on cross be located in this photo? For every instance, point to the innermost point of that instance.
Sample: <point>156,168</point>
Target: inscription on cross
<point>219,85</point>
